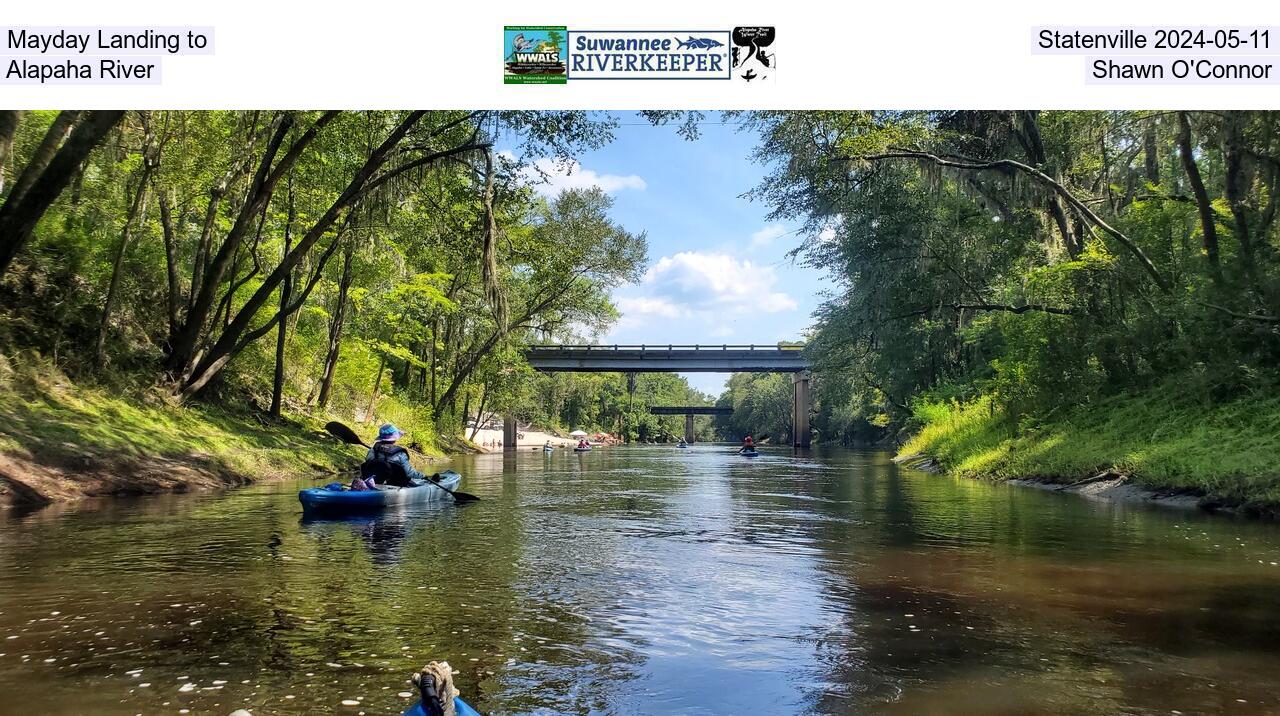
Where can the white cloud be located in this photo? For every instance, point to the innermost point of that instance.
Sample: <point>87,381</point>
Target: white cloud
<point>550,177</point>
<point>827,234</point>
<point>649,306</point>
<point>765,236</point>
<point>716,282</point>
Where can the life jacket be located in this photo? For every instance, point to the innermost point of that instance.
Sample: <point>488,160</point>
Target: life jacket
<point>747,442</point>
<point>382,466</point>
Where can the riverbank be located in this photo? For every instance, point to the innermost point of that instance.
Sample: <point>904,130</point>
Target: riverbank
<point>491,440</point>
<point>62,441</point>
<point>1162,446</point>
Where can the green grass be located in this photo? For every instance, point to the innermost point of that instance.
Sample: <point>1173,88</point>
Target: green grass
<point>45,419</point>
<point>1165,439</point>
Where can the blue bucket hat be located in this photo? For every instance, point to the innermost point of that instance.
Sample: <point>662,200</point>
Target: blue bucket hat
<point>389,432</point>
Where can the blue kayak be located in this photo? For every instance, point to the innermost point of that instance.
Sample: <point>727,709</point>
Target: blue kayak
<point>585,449</point>
<point>462,707</point>
<point>752,453</point>
<point>321,499</point>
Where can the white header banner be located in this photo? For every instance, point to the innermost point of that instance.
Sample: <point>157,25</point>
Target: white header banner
<point>749,54</point>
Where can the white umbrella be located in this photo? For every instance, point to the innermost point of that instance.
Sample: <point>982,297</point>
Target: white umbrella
<point>578,434</point>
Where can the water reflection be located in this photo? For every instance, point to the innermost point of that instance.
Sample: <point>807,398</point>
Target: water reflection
<point>383,534</point>
<point>643,580</point>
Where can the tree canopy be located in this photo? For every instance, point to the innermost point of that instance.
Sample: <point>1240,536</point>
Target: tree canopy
<point>307,259</point>
<point>1042,258</point>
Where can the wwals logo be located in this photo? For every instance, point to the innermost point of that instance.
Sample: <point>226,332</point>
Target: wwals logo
<point>534,55</point>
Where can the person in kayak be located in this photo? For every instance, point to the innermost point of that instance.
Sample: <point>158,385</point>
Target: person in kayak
<point>748,444</point>
<point>387,462</point>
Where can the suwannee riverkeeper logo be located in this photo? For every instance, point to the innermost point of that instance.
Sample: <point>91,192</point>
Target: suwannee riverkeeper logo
<point>555,54</point>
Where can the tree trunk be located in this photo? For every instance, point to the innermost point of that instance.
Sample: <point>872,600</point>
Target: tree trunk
<point>1151,153</point>
<point>1207,226</point>
<point>41,185</point>
<point>54,136</point>
<point>466,408</point>
<point>1237,196</point>
<point>230,341</point>
<point>182,361</point>
<point>205,291</point>
<point>484,397</point>
<point>282,331</point>
<point>169,230</point>
<point>377,384</point>
<point>8,130</point>
<point>137,215</point>
<point>1030,133</point>
<point>236,336</point>
<point>435,366</point>
<point>335,328</point>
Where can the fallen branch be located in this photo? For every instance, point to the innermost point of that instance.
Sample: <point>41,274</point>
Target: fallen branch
<point>1107,475</point>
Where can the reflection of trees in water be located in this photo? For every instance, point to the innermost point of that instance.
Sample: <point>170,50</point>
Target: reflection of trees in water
<point>1131,609</point>
<point>1023,602</point>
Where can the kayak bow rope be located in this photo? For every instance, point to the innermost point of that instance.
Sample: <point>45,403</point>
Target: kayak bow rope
<point>347,435</point>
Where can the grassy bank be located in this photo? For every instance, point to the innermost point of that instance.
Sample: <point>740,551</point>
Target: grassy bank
<point>63,441</point>
<point>1164,440</point>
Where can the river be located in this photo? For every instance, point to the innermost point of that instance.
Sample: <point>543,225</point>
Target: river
<point>645,580</point>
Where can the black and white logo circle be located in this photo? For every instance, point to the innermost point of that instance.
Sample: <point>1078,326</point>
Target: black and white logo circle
<point>752,54</point>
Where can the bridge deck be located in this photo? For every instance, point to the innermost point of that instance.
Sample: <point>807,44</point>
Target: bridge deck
<point>723,358</point>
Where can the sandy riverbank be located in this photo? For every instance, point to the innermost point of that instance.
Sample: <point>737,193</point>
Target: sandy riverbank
<point>489,440</point>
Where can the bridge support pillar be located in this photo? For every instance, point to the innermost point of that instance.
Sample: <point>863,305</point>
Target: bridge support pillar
<point>801,406</point>
<point>509,433</point>
<point>688,428</point>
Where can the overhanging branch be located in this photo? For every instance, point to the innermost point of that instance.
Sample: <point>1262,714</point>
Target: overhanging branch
<point>1025,308</point>
<point>1011,165</point>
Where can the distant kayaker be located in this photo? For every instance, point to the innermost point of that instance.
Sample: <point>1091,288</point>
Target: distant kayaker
<point>748,444</point>
<point>387,462</point>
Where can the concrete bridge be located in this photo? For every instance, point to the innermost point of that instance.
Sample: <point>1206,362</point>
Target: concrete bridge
<point>688,412</point>
<point>672,358</point>
<point>667,359</point>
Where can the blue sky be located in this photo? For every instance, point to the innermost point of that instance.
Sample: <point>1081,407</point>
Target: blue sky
<point>718,270</point>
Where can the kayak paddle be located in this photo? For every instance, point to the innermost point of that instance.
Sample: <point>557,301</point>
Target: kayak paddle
<point>347,435</point>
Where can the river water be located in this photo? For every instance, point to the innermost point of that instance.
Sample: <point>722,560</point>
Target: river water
<point>645,580</point>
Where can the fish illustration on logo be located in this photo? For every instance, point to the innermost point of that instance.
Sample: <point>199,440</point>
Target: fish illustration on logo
<point>698,43</point>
